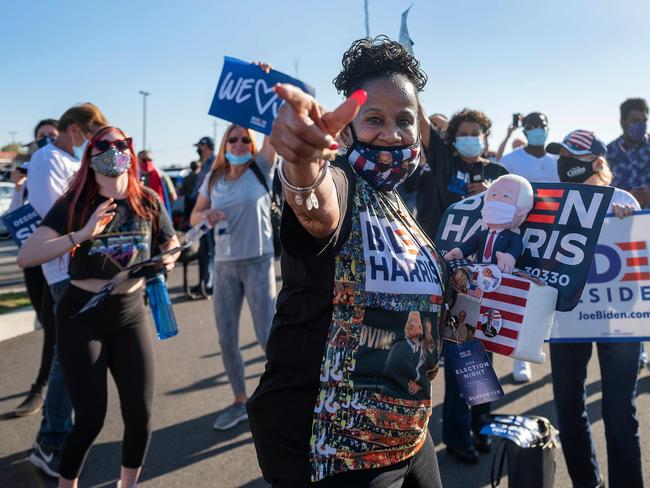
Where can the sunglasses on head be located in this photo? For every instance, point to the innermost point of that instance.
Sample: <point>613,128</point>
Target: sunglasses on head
<point>245,139</point>
<point>120,144</point>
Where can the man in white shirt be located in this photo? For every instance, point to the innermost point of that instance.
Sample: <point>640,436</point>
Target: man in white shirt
<point>532,161</point>
<point>537,166</point>
<point>50,171</point>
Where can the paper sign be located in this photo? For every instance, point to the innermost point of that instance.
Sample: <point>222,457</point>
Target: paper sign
<point>21,223</point>
<point>559,236</point>
<point>474,373</point>
<point>245,96</point>
<point>615,304</point>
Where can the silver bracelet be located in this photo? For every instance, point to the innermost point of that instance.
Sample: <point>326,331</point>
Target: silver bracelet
<point>312,201</point>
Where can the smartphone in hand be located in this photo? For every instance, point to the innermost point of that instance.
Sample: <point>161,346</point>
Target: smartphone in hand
<point>516,120</point>
<point>476,172</point>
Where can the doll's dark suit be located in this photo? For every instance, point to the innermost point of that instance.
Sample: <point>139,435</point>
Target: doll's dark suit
<point>505,241</point>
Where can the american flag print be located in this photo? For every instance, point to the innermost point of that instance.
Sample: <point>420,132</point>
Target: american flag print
<point>580,139</point>
<point>636,260</point>
<point>547,206</point>
<point>474,292</point>
<point>510,300</point>
<point>384,175</point>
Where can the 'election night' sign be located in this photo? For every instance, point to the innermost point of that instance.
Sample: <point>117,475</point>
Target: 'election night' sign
<point>245,94</point>
<point>615,304</point>
<point>21,223</point>
<point>473,371</point>
<point>559,236</point>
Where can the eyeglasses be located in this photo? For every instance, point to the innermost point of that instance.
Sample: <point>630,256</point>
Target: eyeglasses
<point>146,159</point>
<point>120,144</point>
<point>245,140</point>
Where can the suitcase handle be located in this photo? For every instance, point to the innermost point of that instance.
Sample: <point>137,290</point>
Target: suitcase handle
<point>496,480</point>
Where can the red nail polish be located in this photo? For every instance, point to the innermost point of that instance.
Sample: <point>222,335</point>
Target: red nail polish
<point>360,96</point>
<point>334,146</point>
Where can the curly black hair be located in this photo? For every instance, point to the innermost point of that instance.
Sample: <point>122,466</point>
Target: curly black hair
<point>368,59</point>
<point>467,115</point>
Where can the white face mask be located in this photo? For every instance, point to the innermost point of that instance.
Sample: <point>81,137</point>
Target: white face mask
<point>495,212</point>
<point>79,151</point>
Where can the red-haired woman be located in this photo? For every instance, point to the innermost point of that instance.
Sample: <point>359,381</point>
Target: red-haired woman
<point>106,221</point>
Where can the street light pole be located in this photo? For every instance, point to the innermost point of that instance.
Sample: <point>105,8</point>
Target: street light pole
<point>13,136</point>
<point>144,118</point>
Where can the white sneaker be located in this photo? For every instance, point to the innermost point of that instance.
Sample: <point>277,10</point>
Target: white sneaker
<point>231,416</point>
<point>521,371</point>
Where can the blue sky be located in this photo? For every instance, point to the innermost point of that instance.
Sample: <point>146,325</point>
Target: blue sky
<point>575,60</point>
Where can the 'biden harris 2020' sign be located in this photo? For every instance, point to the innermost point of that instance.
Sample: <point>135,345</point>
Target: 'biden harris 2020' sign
<point>559,236</point>
<point>615,303</point>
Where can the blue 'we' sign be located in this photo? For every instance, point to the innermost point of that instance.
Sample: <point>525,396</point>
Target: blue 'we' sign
<point>245,94</point>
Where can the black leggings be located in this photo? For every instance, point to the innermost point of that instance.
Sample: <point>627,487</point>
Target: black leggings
<point>420,471</point>
<point>114,336</point>
<point>39,294</point>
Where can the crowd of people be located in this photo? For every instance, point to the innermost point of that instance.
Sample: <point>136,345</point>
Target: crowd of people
<point>353,413</point>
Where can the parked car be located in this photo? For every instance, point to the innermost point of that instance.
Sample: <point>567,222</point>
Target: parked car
<point>6,190</point>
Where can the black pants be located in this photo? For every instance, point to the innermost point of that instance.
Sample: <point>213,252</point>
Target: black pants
<point>114,336</point>
<point>39,294</point>
<point>420,471</point>
<point>619,369</point>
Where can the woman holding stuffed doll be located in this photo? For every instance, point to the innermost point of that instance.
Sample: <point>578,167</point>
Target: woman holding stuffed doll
<point>582,160</point>
<point>107,221</point>
<point>327,411</point>
<point>455,167</point>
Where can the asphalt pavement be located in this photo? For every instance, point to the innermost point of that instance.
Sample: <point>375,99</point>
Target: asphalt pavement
<point>192,388</point>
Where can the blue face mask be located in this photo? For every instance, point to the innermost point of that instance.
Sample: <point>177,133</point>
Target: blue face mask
<point>637,131</point>
<point>238,160</point>
<point>537,136</point>
<point>469,146</point>
<point>78,151</point>
<point>44,141</point>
